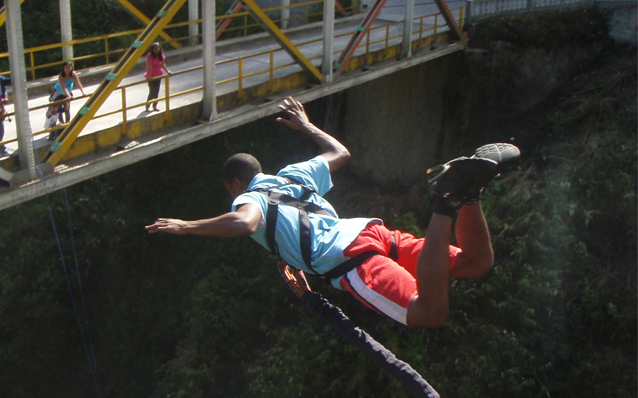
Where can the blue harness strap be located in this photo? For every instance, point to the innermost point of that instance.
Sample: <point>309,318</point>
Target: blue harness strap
<point>304,207</point>
<point>305,239</point>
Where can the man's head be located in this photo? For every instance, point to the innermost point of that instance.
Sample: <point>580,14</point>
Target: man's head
<point>239,170</point>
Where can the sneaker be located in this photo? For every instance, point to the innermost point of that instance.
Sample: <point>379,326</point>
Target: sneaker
<point>505,155</point>
<point>454,180</point>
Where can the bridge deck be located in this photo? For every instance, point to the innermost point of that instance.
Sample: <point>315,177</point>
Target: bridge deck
<point>186,63</point>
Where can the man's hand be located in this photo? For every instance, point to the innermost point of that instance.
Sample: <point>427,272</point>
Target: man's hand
<point>295,279</point>
<point>168,225</point>
<point>333,151</point>
<point>294,109</point>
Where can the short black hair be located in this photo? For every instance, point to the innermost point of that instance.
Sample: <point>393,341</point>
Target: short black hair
<point>243,166</point>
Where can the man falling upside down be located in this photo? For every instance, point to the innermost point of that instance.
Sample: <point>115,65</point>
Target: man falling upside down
<point>392,272</point>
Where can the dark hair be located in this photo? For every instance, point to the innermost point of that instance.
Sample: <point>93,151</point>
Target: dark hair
<point>65,63</point>
<point>160,54</point>
<point>242,166</point>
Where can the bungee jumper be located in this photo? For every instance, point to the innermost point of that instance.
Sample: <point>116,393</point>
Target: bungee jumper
<point>392,272</point>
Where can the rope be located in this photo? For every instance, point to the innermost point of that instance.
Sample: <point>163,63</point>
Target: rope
<point>88,347</point>
<point>82,300</point>
<point>321,308</point>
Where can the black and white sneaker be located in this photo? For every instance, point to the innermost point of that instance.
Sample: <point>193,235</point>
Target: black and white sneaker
<point>454,180</point>
<point>505,155</point>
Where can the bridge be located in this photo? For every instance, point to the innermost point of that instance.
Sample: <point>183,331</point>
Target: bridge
<point>217,83</point>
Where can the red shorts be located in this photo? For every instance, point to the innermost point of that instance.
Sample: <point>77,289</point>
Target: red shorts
<point>382,284</point>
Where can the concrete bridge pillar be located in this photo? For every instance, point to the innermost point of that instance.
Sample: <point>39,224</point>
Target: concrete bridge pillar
<point>209,101</point>
<point>66,29</point>
<point>193,28</point>
<point>285,13</point>
<point>19,82</point>
<point>328,39</point>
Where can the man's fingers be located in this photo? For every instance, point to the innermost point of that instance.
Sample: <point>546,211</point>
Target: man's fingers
<point>159,225</point>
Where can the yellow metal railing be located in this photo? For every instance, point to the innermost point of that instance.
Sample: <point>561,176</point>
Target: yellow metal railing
<point>111,51</point>
<point>240,77</point>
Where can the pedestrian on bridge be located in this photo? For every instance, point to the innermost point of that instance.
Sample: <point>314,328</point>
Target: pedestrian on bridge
<point>392,272</point>
<point>63,89</point>
<point>4,82</point>
<point>155,62</point>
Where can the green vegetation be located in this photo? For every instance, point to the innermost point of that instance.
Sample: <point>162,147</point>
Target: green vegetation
<point>194,317</point>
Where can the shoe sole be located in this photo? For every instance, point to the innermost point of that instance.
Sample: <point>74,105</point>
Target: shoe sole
<point>505,155</point>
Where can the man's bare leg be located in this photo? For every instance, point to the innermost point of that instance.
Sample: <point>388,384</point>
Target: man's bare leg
<point>430,307</point>
<point>473,237</point>
<point>456,186</point>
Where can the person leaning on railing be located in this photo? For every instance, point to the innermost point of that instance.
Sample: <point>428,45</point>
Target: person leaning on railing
<point>155,62</point>
<point>63,89</point>
<point>4,82</point>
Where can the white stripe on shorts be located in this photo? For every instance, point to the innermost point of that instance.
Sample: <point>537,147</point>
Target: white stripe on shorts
<point>377,300</point>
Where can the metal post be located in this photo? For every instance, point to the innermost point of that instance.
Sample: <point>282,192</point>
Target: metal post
<point>193,28</point>
<point>208,54</point>
<point>19,82</point>
<point>406,44</point>
<point>285,14</point>
<point>66,29</point>
<point>328,38</point>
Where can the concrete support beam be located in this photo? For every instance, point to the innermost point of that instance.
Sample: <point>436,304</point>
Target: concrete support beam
<point>285,14</point>
<point>193,28</point>
<point>19,82</point>
<point>66,29</point>
<point>209,101</point>
<point>406,44</point>
<point>328,39</point>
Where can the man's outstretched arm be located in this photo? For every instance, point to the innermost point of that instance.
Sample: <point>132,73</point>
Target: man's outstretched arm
<point>243,222</point>
<point>335,152</point>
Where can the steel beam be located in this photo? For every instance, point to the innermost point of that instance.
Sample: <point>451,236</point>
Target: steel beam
<point>224,22</point>
<point>449,19</point>
<point>358,35</point>
<point>145,20</point>
<point>112,80</point>
<point>267,23</point>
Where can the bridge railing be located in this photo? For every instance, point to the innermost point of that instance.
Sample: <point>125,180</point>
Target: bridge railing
<point>481,9</point>
<point>41,61</point>
<point>428,25</point>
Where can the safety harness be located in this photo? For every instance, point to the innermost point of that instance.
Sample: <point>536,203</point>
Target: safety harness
<point>305,239</point>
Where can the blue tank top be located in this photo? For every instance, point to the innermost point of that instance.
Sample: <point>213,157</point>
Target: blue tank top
<point>67,83</point>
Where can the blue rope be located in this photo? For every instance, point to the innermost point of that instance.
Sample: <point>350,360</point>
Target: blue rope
<point>88,350</point>
<point>82,300</point>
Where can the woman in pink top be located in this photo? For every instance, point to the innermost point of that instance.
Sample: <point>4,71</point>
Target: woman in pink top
<point>154,65</point>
